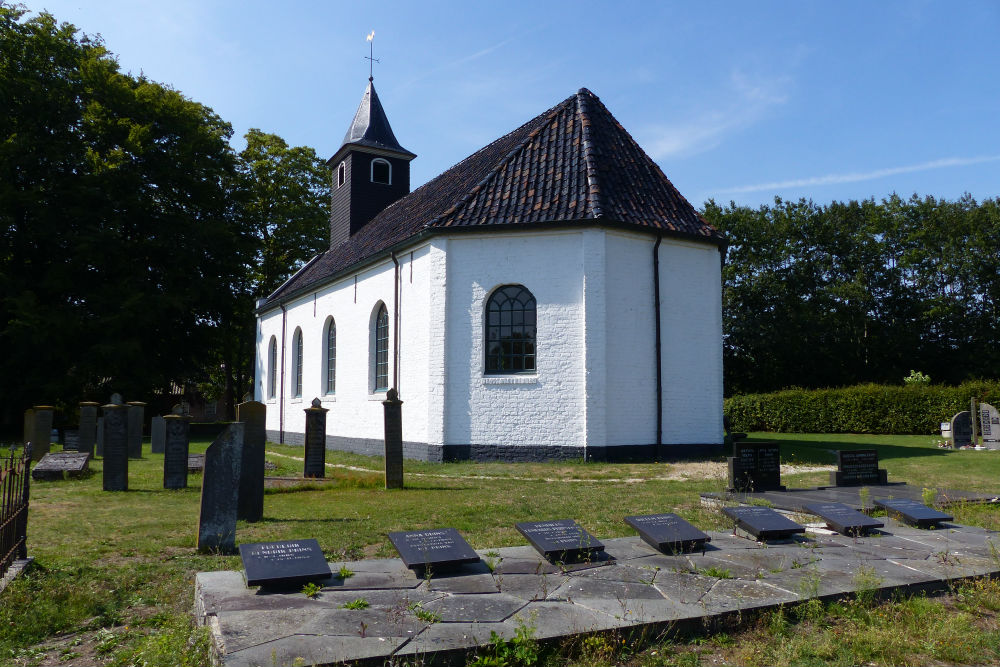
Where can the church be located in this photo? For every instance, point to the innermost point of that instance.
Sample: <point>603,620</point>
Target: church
<point>550,297</point>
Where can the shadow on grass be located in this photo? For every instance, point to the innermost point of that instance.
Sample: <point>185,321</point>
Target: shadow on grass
<point>267,520</point>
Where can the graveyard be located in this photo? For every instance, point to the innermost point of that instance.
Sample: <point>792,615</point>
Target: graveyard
<point>114,575</point>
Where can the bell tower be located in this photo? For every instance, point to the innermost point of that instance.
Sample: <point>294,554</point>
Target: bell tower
<point>370,170</point>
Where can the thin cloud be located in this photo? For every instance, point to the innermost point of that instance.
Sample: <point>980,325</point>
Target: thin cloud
<point>857,177</point>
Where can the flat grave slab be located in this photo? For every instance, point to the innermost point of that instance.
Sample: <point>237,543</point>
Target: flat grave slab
<point>280,564</point>
<point>843,518</point>
<point>440,548</point>
<point>560,539</point>
<point>913,513</point>
<point>763,522</point>
<point>668,532</point>
<point>56,465</point>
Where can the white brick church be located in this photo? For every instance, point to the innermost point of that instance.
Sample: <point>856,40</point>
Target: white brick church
<point>551,296</point>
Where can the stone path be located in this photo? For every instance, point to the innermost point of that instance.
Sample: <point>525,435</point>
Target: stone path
<point>634,587</point>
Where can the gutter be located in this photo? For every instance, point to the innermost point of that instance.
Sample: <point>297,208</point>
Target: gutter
<point>659,363</point>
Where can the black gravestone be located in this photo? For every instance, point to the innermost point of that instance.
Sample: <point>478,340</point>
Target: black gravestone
<point>437,549</point>
<point>220,491</point>
<point>315,440</point>
<point>283,563</point>
<point>961,429</point>
<point>843,518</point>
<point>668,532</point>
<point>71,440</point>
<point>176,443</point>
<point>755,467</point>
<point>561,539</point>
<point>763,522</point>
<point>251,502</point>
<point>913,512</point>
<point>115,447</point>
<point>858,467</point>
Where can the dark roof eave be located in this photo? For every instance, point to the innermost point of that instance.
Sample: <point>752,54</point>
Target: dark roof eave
<point>719,241</point>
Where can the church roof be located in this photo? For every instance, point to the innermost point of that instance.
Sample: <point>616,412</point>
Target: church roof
<point>572,165</point>
<point>370,126</point>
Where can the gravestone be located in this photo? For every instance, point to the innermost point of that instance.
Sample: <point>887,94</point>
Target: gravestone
<point>285,563</point>
<point>220,491</point>
<point>99,444</point>
<point>88,426</point>
<point>251,504</point>
<point>858,467</point>
<point>157,435</point>
<point>668,533</point>
<point>755,467</point>
<point>41,431</point>
<point>989,426</point>
<point>393,415</point>
<point>115,446</point>
<point>315,454</point>
<point>843,518</point>
<point>763,523</point>
<point>912,512</point>
<point>54,464</point>
<point>560,539</point>
<point>176,441</point>
<point>961,429</point>
<point>196,463</point>
<point>136,415</point>
<point>71,440</point>
<point>437,549</point>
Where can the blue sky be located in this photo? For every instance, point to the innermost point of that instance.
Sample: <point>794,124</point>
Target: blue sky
<point>738,101</point>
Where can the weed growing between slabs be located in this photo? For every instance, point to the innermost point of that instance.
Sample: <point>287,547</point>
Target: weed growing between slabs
<point>114,575</point>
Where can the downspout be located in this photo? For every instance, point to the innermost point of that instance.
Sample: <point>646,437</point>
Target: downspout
<point>659,366</point>
<point>395,323</point>
<point>281,395</point>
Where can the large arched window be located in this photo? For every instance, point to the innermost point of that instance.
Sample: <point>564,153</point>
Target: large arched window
<point>272,368</point>
<point>297,363</point>
<point>381,357</point>
<point>381,171</point>
<point>330,357</point>
<point>510,331</point>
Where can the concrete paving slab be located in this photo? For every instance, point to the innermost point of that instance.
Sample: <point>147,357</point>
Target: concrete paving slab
<point>298,650</point>
<point>627,548</point>
<point>475,608</point>
<point>473,583</point>
<point>591,587</point>
<point>684,588</point>
<point>641,610</point>
<point>454,636</point>
<point>524,566</point>
<point>529,586</point>
<point>373,580</point>
<point>732,594</point>
<point>559,619</point>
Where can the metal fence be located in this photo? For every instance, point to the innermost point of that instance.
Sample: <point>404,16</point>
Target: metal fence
<point>14,484</point>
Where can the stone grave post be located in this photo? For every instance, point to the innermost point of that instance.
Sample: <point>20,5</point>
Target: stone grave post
<point>136,415</point>
<point>175,451</point>
<point>115,418</point>
<point>315,454</point>
<point>251,502</point>
<point>99,445</point>
<point>157,434</point>
<point>393,440</point>
<point>220,487</point>
<point>989,425</point>
<point>41,431</point>
<point>88,426</point>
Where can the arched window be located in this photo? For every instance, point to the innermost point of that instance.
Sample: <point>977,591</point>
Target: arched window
<point>510,331</point>
<point>381,171</point>
<point>381,356</point>
<point>330,358</point>
<point>341,174</point>
<point>272,368</point>
<point>297,361</point>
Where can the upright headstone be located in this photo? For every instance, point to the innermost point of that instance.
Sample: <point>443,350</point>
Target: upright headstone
<point>315,454</point>
<point>175,452</point>
<point>220,488</point>
<point>71,440</point>
<point>136,415</point>
<point>961,429</point>
<point>251,503</point>
<point>858,467</point>
<point>393,440</point>
<point>99,445</point>
<point>755,467</point>
<point>115,446</point>
<point>157,435</point>
<point>88,426</point>
<point>989,425</point>
<point>41,435</point>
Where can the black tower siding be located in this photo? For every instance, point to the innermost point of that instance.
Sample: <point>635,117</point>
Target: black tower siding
<point>358,200</point>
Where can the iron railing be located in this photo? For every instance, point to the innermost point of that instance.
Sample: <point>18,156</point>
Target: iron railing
<point>14,486</point>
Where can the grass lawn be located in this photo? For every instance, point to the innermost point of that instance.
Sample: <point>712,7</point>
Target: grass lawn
<point>114,572</point>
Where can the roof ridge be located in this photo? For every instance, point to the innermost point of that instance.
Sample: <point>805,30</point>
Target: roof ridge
<point>502,163</point>
<point>593,184</point>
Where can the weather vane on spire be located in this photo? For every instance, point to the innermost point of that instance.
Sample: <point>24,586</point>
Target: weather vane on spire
<point>371,56</point>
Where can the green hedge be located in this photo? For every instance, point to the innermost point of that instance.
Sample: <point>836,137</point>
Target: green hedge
<point>867,408</point>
